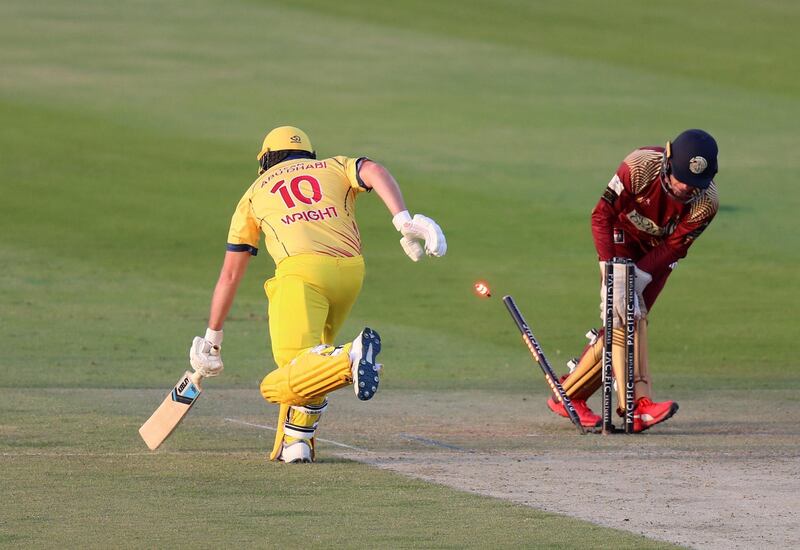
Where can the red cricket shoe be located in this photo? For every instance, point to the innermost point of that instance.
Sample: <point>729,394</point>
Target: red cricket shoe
<point>586,415</point>
<point>648,413</point>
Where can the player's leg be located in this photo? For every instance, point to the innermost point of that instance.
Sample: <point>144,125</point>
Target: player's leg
<point>648,413</point>
<point>582,382</point>
<point>585,378</point>
<point>348,279</point>
<point>308,301</point>
<point>296,318</point>
<point>301,302</point>
<point>299,428</point>
<point>641,379</point>
<point>307,369</point>
<point>302,385</point>
<point>618,353</point>
<point>342,288</point>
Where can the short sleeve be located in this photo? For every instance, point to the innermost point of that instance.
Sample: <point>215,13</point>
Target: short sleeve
<point>351,168</point>
<point>244,234</point>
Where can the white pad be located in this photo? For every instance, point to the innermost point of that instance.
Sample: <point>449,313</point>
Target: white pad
<point>311,409</point>
<point>300,432</point>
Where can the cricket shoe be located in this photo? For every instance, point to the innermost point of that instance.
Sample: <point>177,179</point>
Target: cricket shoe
<point>363,353</point>
<point>298,452</point>
<point>649,413</point>
<point>585,414</point>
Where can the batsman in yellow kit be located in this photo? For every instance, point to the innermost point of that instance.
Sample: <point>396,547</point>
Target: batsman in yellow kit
<point>305,207</point>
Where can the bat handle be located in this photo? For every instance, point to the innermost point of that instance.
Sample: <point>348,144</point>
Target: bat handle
<point>196,378</point>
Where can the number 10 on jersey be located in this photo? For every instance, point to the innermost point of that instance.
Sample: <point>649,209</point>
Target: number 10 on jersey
<point>293,192</point>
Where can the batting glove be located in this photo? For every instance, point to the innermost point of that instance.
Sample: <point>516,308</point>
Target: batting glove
<point>204,355</point>
<point>419,229</point>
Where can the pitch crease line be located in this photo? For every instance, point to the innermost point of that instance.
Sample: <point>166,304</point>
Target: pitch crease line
<point>431,442</point>
<point>270,428</point>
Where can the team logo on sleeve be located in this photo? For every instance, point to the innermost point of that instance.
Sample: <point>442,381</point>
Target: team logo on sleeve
<point>613,190</point>
<point>697,165</point>
<point>616,185</point>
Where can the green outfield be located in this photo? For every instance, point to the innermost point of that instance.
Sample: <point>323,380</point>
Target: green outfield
<point>129,131</point>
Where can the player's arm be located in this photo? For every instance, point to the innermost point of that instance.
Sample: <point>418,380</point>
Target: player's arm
<point>233,269</point>
<point>615,199</point>
<point>205,355</point>
<point>676,245</point>
<point>377,177</point>
<point>416,230</point>
<point>243,238</point>
<point>616,194</point>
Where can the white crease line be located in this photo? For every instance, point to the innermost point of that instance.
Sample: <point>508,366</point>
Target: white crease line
<point>270,428</point>
<point>67,454</point>
<point>111,454</point>
<point>430,442</point>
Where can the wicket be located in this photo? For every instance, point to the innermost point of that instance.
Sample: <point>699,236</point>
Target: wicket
<point>628,267</point>
<point>541,359</point>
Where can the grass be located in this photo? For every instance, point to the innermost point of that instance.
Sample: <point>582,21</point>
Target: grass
<point>128,135</point>
<point>84,479</point>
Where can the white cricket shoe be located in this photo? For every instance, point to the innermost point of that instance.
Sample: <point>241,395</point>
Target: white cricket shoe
<point>365,369</point>
<point>298,452</point>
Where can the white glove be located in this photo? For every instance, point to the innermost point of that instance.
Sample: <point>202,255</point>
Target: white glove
<point>643,278</point>
<point>419,228</point>
<point>619,294</point>
<point>412,249</point>
<point>204,355</point>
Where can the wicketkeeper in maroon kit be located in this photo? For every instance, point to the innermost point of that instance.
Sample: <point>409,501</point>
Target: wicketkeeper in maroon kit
<point>656,205</point>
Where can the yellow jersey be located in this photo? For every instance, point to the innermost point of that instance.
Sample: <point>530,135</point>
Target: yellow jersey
<point>303,206</point>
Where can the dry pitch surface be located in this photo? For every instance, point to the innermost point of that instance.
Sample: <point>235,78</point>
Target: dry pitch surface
<point>723,473</point>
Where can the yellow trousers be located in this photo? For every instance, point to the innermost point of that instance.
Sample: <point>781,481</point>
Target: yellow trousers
<point>310,297</point>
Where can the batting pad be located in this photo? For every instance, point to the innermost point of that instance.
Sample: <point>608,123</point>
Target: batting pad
<point>309,376</point>
<point>618,365</point>
<point>298,422</point>
<point>587,376</point>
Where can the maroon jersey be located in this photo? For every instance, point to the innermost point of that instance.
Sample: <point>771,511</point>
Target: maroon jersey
<point>636,218</point>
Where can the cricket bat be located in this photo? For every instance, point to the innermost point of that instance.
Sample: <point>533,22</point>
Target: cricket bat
<point>170,413</point>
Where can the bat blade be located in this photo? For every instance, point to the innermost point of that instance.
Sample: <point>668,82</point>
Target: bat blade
<point>169,414</point>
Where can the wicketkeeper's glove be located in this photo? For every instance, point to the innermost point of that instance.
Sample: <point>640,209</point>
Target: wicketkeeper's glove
<point>641,280</point>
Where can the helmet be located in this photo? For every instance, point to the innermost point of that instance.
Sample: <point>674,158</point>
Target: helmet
<point>285,138</point>
<point>692,158</point>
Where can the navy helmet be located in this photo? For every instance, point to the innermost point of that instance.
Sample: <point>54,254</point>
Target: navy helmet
<point>692,158</point>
